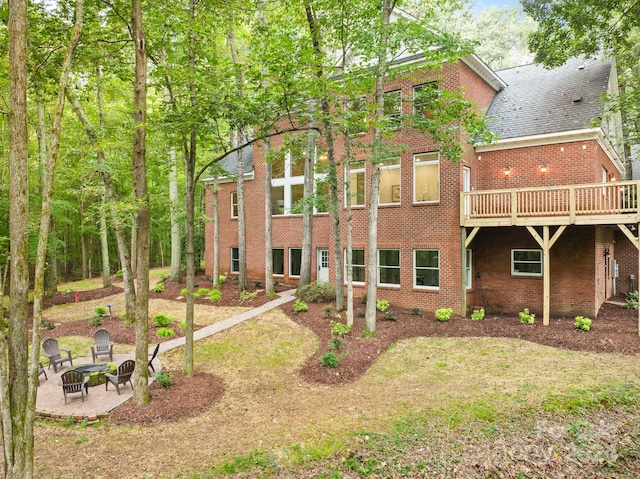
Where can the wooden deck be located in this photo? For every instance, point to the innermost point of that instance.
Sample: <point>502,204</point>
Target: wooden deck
<point>585,204</point>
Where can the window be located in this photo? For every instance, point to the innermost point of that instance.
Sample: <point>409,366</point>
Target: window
<point>295,260</point>
<point>426,177</point>
<point>468,268</point>
<point>393,109</point>
<point>277,166</point>
<point>278,261</point>
<point>297,166</point>
<point>356,116</point>
<point>423,95</point>
<point>234,204</point>
<point>235,260</point>
<point>356,182</point>
<point>288,188</point>
<point>390,181</point>
<point>277,200</point>
<point>322,196</point>
<point>526,262</point>
<point>389,267</point>
<point>426,268</point>
<point>357,264</point>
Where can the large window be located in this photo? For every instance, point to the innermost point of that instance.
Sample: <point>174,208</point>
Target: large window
<point>393,109</point>
<point>287,189</point>
<point>426,268</point>
<point>389,267</point>
<point>426,177</point>
<point>526,262</point>
<point>235,260</point>
<point>234,204</point>
<point>390,181</point>
<point>278,261</point>
<point>423,96</point>
<point>356,182</point>
<point>356,116</point>
<point>295,260</point>
<point>357,264</point>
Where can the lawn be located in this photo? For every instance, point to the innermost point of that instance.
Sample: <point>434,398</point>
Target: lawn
<point>445,407</point>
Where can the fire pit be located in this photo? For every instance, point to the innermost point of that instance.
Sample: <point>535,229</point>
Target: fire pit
<point>96,372</point>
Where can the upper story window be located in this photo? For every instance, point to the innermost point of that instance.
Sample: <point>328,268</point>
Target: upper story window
<point>426,177</point>
<point>393,109</point>
<point>356,116</point>
<point>287,189</point>
<point>526,262</point>
<point>234,204</point>
<point>356,182</point>
<point>422,97</point>
<point>390,181</point>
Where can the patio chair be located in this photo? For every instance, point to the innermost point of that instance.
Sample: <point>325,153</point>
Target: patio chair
<point>125,370</point>
<point>102,345</point>
<point>152,356</point>
<point>74,382</point>
<point>52,351</point>
<point>41,371</point>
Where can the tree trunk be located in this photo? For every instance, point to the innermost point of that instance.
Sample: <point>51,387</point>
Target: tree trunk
<point>374,194</point>
<point>176,246</point>
<point>347,192</point>
<point>16,428</point>
<point>104,245</point>
<point>216,233</point>
<point>141,387</point>
<point>307,216</point>
<point>83,241</point>
<point>134,244</point>
<point>269,288</point>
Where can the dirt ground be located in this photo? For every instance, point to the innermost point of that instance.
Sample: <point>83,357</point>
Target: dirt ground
<point>613,331</point>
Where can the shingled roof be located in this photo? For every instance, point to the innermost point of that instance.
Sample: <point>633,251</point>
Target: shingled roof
<point>537,101</point>
<point>229,164</point>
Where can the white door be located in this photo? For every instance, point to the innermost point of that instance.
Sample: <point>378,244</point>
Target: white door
<point>323,265</point>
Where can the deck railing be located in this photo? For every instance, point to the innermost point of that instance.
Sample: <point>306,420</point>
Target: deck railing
<point>598,203</point>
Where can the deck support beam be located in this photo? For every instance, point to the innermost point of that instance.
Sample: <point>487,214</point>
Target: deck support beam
<point>546,243</point>
<point>636,242</point>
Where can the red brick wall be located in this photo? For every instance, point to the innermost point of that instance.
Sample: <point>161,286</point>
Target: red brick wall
<point>626,254</point>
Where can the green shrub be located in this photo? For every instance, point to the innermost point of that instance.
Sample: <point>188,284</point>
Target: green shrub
<point>96,321</point>
<point>163,277</point>
<point>183,292</point>
<point>327,310</point>
<point>336,344</point>
<point>390,315</point>
<point>340,329</point>
<point>300,306</point>
<point>583,323</point>
<point>159,288</point>
<point>443,314</point>
<point>330,360</point>
<point>162,319</point>
<point>526,317</point>
<point>478,314</point>
<point>215,295</point>
<point>247,295</point>
<point>632,300</point>
<point>100,311</point>
<point>382,305</point>
<point>165,333</point>
<point>222,279</point>
<point>164,379</point>
<point>45,324</point>
<point>183,325</point>
<point>317,292</point>
<point>203,292</point>
<point>119,273</point>
<point>416,312</point>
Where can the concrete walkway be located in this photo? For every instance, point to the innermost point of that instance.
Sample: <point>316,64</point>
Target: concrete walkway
<point>98,402</point>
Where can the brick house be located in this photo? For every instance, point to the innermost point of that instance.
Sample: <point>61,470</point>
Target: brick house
<point>526,222</point>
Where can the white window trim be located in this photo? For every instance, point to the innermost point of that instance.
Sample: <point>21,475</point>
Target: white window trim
<point>362,170</point>
<point>517,273</point>
<point>234,193</point>
<point>238,260</point>
<point>430,162</point>
<point>345,265</point>
<point>399,267</point>
<point>288,181</point>
<point>415,267</point>
<point>392,167</point>
<point>291,275</point>
<point>278,275</point>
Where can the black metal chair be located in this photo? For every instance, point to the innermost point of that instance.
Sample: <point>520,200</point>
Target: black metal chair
<point>52,351</point>
<point>153,356</point>
<point>74,382</point>
<point>125,370</point>
<point>102,346</point>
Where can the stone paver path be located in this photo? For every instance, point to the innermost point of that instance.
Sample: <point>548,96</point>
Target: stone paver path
<point>98,403</point>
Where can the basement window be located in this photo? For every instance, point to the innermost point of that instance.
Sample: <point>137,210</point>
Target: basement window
<point>526,262</point>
